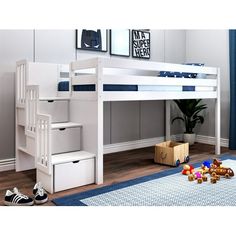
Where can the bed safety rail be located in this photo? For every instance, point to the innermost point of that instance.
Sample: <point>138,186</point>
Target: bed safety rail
<point>144,75</point>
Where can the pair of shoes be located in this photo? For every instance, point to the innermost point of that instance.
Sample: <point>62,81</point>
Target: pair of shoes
<point>16,198</point>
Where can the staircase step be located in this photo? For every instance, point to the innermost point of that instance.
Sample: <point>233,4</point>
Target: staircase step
<point>71,156</point>
<point>65,125</point>
<point>53,98</point>
<point>24,149</point>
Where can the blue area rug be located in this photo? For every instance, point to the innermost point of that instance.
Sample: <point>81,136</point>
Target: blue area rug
<point>166,188</point>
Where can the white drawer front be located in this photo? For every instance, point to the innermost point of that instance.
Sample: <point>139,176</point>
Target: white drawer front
<point>57,109</point>
<point>65,140</point>
<point>71,175</point>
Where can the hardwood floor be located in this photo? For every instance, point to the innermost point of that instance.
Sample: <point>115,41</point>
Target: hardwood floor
<point>118,167</point>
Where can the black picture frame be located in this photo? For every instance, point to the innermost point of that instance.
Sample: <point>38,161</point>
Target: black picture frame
<point>141,41</point>
<point>120,42</point>
<point>91,39</point>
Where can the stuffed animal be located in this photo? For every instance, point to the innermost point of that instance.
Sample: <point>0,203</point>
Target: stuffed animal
<point>187,170</point>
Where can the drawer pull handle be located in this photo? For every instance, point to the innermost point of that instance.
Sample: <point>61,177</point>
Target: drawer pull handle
<point>75,161</point>
<point>61,129</point>
<point>50,100</point>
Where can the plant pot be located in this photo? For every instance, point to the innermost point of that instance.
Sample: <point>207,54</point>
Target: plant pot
<point>189,138</point>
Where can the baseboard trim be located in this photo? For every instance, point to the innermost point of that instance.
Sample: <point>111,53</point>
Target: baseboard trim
<point>211,140</point>
<point>7,164</point>
<point>125,146</point>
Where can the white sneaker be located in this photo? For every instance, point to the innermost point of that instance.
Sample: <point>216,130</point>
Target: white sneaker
<point>16,198</point>
<point>40,195</point>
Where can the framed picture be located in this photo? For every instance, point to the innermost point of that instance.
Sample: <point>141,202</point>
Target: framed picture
<point>120,42</point>
<point>91,39</point>
<point>141,44</point>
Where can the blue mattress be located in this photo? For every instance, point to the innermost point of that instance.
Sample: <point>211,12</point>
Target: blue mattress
<point>64,86</point>
<point>184,75</point>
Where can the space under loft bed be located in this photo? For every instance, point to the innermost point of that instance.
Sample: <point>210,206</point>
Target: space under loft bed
<point>90,78</point>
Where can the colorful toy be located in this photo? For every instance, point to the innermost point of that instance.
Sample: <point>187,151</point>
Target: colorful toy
<point>205,166</point>
<point>191,177</point>
<point>188,169</point>
<point>223,171</point>
<point>198,175</point>
<point>204,178</point>
<point>217,177</point>
<point>199,180</point>
<point>213,180</point>
<point>217,162</point>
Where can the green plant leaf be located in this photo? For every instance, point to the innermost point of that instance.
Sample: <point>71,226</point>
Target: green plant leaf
<point>190,109</point>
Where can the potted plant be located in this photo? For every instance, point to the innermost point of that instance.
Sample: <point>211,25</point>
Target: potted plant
<point>190,109</point>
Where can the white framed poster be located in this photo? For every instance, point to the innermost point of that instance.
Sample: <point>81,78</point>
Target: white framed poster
<point>140,44</point>
<point>120,42</point>
<point>91,39</point>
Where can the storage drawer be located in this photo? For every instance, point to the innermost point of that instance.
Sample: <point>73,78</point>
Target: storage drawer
<point>73,174</point>
<point>65,140</point>
<point>57,109</point>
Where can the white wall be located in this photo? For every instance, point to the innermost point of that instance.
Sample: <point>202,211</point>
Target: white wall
<point>138,119</point>
<point>14,44</point>
<point>212,48</point>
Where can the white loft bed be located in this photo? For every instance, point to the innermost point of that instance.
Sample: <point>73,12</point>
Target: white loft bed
<point>87,106</point>
<point>60,132</point>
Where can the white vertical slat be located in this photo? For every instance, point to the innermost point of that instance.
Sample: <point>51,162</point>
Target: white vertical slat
<point>17,84</point>
<point>99,156</point>
<point>31,109</point>
<point>43,143</point>
<point>217,116</point>
<point>21,82</point>
<point>167,117</point>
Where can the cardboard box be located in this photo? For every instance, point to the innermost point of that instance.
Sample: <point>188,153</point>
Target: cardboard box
<point>171,153</point>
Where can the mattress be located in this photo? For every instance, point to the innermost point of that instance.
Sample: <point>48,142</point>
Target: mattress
<point>64,86</point>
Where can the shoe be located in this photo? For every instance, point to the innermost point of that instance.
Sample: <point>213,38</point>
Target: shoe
<point>40,196</point>
<point>16,198</point>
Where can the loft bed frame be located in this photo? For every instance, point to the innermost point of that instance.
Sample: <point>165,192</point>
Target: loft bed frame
<point>87,106</point>
<point>43,112</point>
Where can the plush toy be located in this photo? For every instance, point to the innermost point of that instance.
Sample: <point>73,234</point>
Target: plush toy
<point>187,170</point>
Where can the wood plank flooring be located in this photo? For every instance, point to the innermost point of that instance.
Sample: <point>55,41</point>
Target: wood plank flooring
<point>118,167</point>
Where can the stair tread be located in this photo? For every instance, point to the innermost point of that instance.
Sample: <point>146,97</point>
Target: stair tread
<point>23,149</point>
<point>65,125</point>
<point>53,98</point>
<point>71,156</point>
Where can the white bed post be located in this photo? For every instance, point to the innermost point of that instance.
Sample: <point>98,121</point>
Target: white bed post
<point>217,115</point>
<point>99,156</point>
<point>167,116</point>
